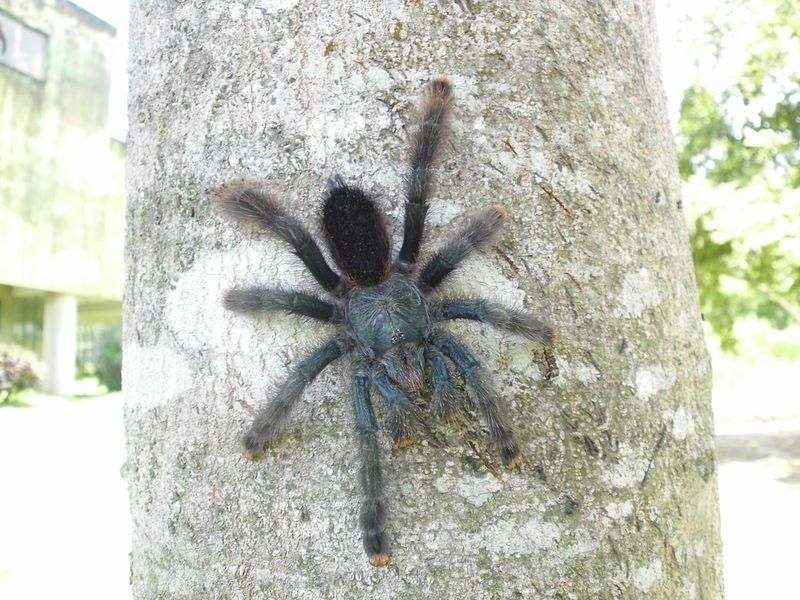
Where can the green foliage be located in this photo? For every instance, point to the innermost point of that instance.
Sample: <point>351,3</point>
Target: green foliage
<point>19,370</point>
<point>743,138</point>
<point>713,261</point>
<point>752,126</point>
<point>108,360</point>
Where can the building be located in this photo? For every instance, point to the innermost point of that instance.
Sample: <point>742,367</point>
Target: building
<point>61,182</point>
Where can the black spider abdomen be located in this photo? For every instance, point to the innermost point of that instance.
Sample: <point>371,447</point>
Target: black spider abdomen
<point>357,235</point>
<point>387,315</point>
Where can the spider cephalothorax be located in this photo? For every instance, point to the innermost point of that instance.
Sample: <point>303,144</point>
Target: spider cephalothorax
<point>388,320</point>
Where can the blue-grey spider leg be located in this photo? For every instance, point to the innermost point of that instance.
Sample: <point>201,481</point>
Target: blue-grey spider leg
<point>271,421</point>
<point>446,397</point>
<point>372,517</point>
<point>516,321</point>
<point>436,102</point>
<point>403,420</point>
<point>258,299</point>
<point>480,231</point>
<point>484,397</point>
<point>248,202</point>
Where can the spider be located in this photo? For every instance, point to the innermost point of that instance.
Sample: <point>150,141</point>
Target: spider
<point>386,315</point>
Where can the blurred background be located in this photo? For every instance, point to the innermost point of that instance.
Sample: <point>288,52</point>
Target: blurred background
<point>732,77</point>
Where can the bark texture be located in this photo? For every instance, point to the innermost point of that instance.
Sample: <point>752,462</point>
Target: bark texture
<point>560,116</point>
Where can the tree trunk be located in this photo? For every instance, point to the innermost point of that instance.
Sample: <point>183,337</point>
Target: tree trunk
<point>560,116</point>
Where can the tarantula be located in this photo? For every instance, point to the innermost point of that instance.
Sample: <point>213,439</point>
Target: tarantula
<point>386,315</point>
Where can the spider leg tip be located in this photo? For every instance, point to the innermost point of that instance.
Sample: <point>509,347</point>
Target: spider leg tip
<point>380,559</point>
<point>228,299</point>
<point>502,210</point>
<point>224,194</point>
<point>249,449</point>
<point>515,462</point>
<point>438,95</point>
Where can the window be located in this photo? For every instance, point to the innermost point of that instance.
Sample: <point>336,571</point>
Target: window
<point>22,48</point>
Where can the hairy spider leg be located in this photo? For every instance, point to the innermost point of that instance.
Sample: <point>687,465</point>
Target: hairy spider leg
<point>258,299</point>
<point>403,420</point>
<point>516,321</point>
<point>484,397</point>
<point>479,231</point>
<point>271,421</point>
<point>426,143</point>
<point>372,517</point>
<point>357,234</point>
<point>446,397</point>
<point>246,202</point>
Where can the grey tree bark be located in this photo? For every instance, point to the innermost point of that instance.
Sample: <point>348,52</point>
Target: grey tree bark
<point>560,116</point>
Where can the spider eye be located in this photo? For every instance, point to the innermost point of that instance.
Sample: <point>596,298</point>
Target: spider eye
<point>357,235</point>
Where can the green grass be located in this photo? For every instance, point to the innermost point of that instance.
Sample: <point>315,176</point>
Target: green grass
<point>87,388</point>
<point>19,400</point>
